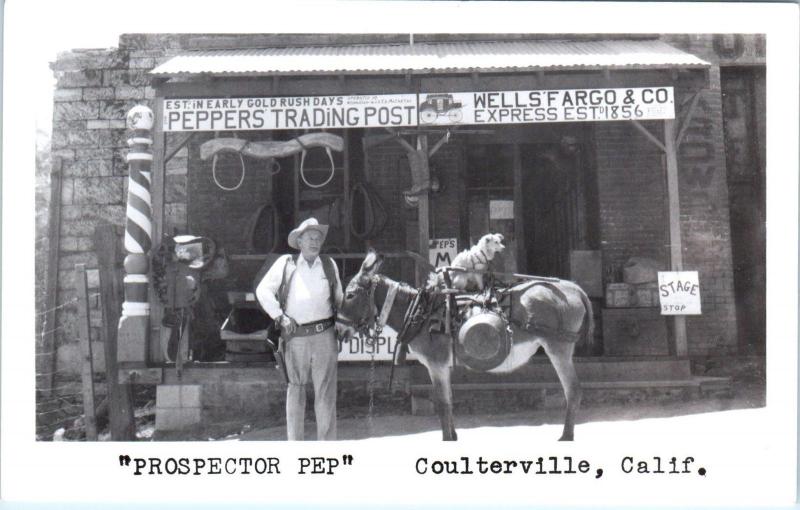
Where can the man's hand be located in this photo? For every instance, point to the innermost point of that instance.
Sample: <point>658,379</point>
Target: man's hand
<point>288,324</point>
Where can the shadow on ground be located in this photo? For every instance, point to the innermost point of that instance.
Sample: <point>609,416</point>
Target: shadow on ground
<point>363,427</point>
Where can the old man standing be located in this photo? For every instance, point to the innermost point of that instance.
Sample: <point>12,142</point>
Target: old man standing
<point>301,293</point>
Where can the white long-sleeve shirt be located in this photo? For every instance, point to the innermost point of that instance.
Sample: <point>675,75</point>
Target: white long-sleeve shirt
<point>307,300</point>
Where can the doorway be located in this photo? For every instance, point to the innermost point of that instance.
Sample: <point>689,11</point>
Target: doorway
<point>559,189</point>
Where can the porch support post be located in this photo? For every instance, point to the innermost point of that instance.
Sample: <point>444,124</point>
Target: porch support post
<point>423,211</point>
<point>676,251</point>
<point>157,192</point>
<point>135,318</point>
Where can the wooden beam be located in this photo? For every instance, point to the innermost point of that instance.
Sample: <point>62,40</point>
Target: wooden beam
<point>186,139</point>
<point>687,119</point>
<point>51,284</point>
<point>650,136</point>
<point>296,174</point>
<point>157,193</point>
<point>675,242</point>
<point>373,140</point>
<point>402,141</point>
<point>443,140</point>
<point>346,185</point>
<point>84,337</point>
<point>423,212</point>
<point>519,223</point>
<point>120,396</point>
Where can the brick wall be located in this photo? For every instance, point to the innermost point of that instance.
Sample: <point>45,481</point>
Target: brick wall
<point>705,221</point>
<point>632,195</point>
<point>634,214</point>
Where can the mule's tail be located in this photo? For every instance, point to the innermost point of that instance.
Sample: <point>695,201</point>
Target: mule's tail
<point>587,328</point>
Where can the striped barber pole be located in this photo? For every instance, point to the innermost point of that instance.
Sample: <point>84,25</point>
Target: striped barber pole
<point>138,225</point>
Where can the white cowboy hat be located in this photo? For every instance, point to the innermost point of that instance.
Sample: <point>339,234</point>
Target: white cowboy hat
<point>309,224</point>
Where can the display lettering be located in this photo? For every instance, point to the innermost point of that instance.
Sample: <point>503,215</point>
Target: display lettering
<point>409,110</point>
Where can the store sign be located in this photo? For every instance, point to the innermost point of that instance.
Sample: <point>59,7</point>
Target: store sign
<point>357,348</point>
<point>442,252</point>
<point>501,209</point>
<point>679,292</point>
<point>409,110</point>
<point>304,112</point>
<point>540,106</point>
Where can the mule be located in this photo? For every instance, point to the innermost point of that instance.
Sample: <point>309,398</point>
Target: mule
<point>552,314</point>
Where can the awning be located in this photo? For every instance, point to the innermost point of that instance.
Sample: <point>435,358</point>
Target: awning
<point>426,58</point>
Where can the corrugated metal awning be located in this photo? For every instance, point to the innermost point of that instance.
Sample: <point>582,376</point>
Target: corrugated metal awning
<point>462,57</point>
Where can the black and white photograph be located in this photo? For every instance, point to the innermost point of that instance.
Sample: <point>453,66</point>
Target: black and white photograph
<point>479,260</point>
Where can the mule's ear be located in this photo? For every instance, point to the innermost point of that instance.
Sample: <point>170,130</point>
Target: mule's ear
<point>372,262</point>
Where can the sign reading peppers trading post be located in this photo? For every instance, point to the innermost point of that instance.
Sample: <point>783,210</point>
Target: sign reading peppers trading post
<point>304,112</point>
<point>424,109</point>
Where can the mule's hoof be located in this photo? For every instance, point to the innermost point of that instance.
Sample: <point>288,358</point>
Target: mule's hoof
<point>566,437</point>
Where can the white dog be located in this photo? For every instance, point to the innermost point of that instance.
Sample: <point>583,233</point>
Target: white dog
<point>478,258</point>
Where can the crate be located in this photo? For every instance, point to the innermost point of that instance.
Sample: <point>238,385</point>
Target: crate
<point>646,295</point>
<point>619,295</point>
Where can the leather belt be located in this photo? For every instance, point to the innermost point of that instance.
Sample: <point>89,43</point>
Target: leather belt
<point>313,328</point>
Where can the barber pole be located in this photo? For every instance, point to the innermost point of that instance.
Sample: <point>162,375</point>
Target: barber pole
<point>134,320</point>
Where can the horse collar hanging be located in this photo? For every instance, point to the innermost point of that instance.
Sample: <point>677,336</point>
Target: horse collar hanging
<point>271,148</point>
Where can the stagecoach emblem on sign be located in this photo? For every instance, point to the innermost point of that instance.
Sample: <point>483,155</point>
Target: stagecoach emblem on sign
<point>437,105</point>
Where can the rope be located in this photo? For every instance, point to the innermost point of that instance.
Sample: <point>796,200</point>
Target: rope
<point>214,169</point>
<point>214,174</point>
<point>375,216</point>
<point>302,170</point>
<point>272,237</point>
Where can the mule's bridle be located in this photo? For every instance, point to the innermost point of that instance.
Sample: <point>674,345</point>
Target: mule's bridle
<point>371,326</point>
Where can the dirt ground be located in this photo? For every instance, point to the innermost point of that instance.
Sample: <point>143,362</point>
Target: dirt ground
<point>745,396</point>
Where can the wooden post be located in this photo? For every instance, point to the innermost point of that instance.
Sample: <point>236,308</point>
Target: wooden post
<point>51,282</point>
<point>519,224</point>
<point>119,395</point>
<point>346,185</point>
<point>86,352</point>
<point>423,212</point>
<point>158,193</point>
<point>676,251</point>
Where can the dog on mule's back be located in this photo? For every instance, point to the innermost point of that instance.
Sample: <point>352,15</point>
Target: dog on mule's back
<point>476,258</point>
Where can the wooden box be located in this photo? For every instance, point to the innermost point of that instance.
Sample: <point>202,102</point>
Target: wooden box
<point>646,294</point>
<point>619,295</point>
